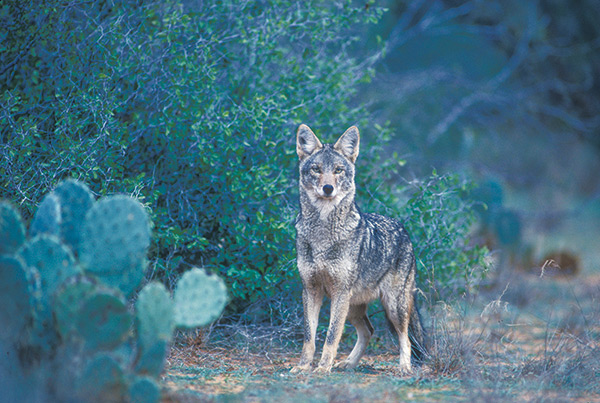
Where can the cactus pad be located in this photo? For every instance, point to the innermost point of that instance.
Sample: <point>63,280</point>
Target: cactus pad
<point>103,320</point>
<point>115,242</point>
<point>16,299</point>
<point>144,390</point>
<point>102,380</point>
<point>68,301</point>
<point>154,315</point>
<point>53,261</point>
<point>151,359</point>
<point>127,281</point>
<point>199,299</point>
<point>12,231</point>
<point>75,200</point>
<point>47,218</point>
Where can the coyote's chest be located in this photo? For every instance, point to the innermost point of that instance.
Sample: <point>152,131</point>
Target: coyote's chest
<point>322,251</point>
<point>328,247</point>
<point>334,265</point>
<point>329,253</point>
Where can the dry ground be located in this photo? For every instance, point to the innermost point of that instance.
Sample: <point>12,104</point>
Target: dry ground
<point>530,338</point>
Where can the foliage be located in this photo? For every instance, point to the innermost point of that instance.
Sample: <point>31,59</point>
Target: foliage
<point>440,221</point>
<point>190,106</point>
<point>64,311</point>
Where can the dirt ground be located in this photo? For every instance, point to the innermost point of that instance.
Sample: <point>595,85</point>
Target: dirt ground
<point>528,338</point>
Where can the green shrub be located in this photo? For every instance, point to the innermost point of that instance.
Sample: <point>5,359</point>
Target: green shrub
<point>190,107</point>
<point>439,213</point>
<point>440,219</point>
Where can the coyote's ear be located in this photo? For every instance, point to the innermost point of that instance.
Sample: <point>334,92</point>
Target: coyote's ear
<point>306,142</point>
<point>348,144</point>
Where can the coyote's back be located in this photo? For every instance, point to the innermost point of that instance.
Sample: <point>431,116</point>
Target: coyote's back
<point>350,256</point>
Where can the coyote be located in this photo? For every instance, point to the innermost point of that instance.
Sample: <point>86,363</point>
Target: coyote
<point>350,256</point>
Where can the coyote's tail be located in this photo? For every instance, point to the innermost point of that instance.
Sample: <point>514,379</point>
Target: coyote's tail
<point>417,335</point>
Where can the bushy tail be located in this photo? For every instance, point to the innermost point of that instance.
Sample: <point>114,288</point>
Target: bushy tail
<point>417,335</point>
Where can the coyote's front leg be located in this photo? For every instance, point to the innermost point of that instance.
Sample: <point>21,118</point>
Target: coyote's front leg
<point>312,298</point>
<point>340,304</point>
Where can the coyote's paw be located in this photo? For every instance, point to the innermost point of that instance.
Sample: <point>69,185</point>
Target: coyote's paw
<point>404,371</point>
<point>300,368</point>
<point>346,364</point>
<point>322,369</point>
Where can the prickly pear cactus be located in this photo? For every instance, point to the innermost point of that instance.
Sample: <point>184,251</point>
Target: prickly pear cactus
<point>63,297</point>
<point>154,328</point>
<point>144,390</point>
<point>104,321</point>
<point>75,199</point>
<point>16,308</point>
<point>199,299</point>
<point>151,359</point>
<point>127,281</point>
<point>116,237</point>
<point>47,218</point>
<point>12,231</point>
<point>102,380</point>
<point>67,303</point>
<point>154,315</point>
<point>42,336</point>
<point>49,263</point>
<point>54,262</point>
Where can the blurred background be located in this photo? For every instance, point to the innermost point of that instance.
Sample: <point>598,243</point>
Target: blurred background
<point>507,92</point>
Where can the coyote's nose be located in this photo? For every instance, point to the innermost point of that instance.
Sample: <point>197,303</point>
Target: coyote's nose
<point>327,189</point>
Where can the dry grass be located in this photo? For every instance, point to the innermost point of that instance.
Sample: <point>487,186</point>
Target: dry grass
<point>530,339</point>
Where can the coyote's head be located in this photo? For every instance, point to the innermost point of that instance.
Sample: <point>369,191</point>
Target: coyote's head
<point>326,171</point>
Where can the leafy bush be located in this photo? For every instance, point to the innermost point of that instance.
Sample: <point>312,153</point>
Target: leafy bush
<point>190,107</point>
<point>440,215</point>
<point>440,219</point>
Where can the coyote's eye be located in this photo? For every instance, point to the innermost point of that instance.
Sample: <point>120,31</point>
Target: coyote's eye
<point>316,169</point>
<point>338,170</point>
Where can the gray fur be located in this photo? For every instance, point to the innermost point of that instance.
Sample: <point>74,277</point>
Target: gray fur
<point>350,256</point>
